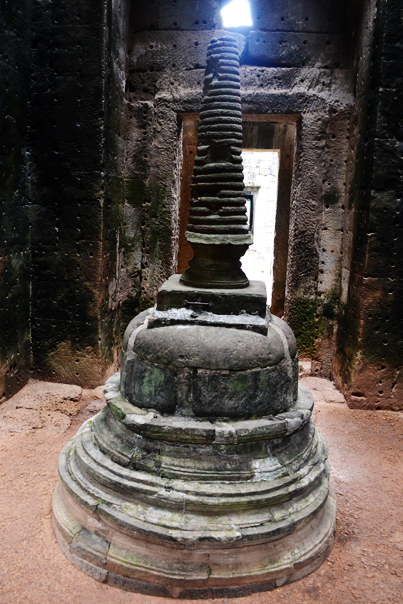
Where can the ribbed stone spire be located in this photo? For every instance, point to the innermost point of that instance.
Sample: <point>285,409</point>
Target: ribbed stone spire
<point>217,227</point>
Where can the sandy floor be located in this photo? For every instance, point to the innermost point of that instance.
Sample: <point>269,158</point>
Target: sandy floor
<point>366,564</point>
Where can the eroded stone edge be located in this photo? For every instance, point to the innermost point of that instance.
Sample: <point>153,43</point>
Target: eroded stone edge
<point>186,430</point>
<point>299,567</point>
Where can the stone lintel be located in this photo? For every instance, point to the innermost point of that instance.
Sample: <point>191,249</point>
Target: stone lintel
<point>250,300</point>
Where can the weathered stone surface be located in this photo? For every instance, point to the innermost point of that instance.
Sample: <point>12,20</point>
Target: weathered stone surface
<point>136,322</point>
<point>178,50</point>
<point>15,67</point>
<point>86,567</point>
<point>323,390</point>
<point>305,368</point>
<point>217,228</point>
<point>191,318</point>
<point>286,49</point>
<point>90,547</point>
<point>215,348</point>
<point>194,367</point>
<point>62,147</point>
<point>48,407</point>
<point>250,300</point>
<point>305,16</point>
<point>189,430</point>
<point>201,370</point>
<point>230,509</point>
<point>151,386</point>
<point>208,393</point>
<point>188,16</point>
<point>369,340</point>
<point>288,334</point>
<point>377,387</point>
<point>242,394</point>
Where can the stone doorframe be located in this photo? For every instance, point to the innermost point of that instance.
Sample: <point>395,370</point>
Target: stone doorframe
<point>260,131</point>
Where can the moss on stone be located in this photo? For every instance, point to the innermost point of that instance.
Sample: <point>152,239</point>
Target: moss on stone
<point>263,380</point>
<point>116,411</point>
<point>152,381</point>
<point>304,324</point>
<point>238,384</point>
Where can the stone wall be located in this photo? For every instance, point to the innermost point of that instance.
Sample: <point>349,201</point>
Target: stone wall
<point>370,343</point>
<point>15,353</point>
<point>63,160</point>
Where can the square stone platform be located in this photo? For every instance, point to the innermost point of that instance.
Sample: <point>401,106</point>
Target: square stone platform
<point>251,300</point>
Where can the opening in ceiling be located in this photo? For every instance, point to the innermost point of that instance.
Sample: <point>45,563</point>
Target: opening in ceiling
<point>236,14</point>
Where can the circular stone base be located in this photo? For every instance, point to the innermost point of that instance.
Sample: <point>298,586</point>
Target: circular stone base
<point>179,507</point>
<point>214,573</point>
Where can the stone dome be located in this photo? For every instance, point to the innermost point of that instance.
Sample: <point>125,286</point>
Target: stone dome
<point>209,371</point>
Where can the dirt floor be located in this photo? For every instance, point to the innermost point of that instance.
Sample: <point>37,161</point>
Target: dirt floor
<point>366,451</point>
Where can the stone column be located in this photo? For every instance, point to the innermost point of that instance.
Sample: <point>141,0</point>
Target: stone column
<point>217,229</point>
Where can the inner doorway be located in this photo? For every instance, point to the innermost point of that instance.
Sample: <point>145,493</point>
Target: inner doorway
<point>261,178</point>
<point>261,134</point>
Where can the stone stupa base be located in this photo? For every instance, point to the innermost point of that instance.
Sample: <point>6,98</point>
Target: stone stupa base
<point>181,507</point>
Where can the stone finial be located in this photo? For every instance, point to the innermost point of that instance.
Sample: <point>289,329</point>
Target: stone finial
<point>217,227</point>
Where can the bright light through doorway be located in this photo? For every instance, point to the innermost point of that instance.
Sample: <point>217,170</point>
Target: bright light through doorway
<point>236,14</point>
<point>261,180</point>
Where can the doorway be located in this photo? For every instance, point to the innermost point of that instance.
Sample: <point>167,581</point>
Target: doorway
<point>261,178</point>
<point>264,137</point>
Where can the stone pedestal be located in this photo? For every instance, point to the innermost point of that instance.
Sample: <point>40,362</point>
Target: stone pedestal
<point>204,475</point>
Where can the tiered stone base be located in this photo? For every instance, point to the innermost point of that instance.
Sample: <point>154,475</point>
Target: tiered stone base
<point>188,508</point>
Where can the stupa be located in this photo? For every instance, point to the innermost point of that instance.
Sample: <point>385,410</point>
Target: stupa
<point>204,475</point>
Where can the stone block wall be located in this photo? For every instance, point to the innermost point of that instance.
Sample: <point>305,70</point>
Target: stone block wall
<point>370,342</point>
<point>66,147</point>
<point>15,46</point>
<point>63,160</point>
